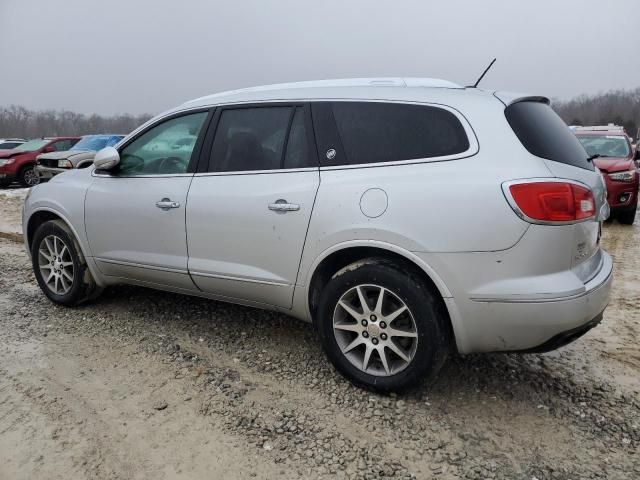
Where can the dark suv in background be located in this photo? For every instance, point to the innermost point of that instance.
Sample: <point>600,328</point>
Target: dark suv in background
<point>19,163</point>
<point>610,148</point>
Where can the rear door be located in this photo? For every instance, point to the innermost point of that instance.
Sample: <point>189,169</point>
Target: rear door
<point>249,206</point>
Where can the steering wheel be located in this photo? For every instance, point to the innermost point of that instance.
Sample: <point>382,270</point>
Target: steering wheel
<point>137,163</point>
<point>172,165</point>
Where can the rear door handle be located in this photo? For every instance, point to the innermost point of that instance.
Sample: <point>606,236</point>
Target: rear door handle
<point>166,204</point>
<point>282,205</point>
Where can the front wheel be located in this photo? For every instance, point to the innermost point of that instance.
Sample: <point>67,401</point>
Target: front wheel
<point>382,326</point>
<point>29,177</point>
<point>59,267</point>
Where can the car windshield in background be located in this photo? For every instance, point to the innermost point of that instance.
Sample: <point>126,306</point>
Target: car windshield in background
<point>605,145</point>
<point>96,142</point>
<point>32,145</point>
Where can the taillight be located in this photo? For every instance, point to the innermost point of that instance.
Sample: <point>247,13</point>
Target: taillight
<point>553,201</point>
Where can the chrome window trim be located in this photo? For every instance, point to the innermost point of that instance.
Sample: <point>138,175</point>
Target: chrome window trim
<point>158,175</point>
<point>257,172</point>
<point>474,145</point>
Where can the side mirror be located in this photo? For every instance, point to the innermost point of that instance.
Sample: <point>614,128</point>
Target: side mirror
<point>106,159</point>
<point>49,149</point>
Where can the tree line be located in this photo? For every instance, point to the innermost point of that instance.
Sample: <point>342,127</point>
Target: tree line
<point>17,121</point>
<point>621,107</point>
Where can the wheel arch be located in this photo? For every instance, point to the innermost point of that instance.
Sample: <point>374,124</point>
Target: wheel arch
<point>44,214</point>
<point>339,256</point>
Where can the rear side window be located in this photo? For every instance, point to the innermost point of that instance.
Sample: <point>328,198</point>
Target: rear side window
<point>373,132</point>
<point>545,135</point>
<point>260,138</point>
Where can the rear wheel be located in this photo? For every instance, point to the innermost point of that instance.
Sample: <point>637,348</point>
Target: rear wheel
<point>381,326</point>
<point>627,217</point>
<point>59,267</point>
<point>28,176</point>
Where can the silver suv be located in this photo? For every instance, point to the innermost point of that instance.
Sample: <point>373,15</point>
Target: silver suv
<point>403,217</point>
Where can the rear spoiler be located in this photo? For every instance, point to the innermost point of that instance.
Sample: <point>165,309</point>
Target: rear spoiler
<point>509,98</point>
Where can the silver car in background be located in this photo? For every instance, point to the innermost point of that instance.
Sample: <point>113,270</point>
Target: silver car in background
<point>405,218</point>
<point>79,156</point>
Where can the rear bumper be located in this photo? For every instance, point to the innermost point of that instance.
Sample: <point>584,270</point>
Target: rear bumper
<point>564,338</point>
<point>531,324</point>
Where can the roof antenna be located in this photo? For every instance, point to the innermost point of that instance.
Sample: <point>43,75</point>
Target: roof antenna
<point>475,85</point>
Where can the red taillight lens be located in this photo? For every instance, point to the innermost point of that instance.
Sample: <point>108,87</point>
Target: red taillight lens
<point>554,201</point>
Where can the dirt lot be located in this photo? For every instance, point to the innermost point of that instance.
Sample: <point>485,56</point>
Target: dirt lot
<point>143,384</point>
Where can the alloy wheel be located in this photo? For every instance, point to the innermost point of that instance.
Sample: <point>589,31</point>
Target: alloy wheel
<point>31,177</point>
<point>375,330</point>
<point>56,264</point>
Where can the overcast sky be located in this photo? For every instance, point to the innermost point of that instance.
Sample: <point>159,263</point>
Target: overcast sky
<point>135,56</point>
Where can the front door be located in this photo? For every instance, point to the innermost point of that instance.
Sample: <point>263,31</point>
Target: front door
<point>135,215</point>
<point>248,212</point>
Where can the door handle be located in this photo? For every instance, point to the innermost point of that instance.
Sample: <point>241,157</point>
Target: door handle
<point>282,205</point>
<point>166,204</point>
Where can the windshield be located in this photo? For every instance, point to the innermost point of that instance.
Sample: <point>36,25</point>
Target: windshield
<point>605,145</point>
<point>96,142</point>
<point>32,145</point>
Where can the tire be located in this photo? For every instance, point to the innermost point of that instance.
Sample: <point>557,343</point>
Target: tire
<point>424,318</point>
<point>627,217</point>
<point>55,236</point>
<point>28,176</point>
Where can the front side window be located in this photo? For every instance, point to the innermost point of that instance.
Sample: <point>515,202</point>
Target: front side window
<point>374,132</point>
<point>605,145</point>
<point>164,149</point>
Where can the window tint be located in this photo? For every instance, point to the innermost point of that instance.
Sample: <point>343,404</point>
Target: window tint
<point>384,132</point>
<point>250,139</point>
<point>165,149</point>
<point>297,155</point>
<point>545,135</point>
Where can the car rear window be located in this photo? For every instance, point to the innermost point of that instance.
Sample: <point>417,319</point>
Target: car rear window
<point>545,135</point>
<point>373,132</point>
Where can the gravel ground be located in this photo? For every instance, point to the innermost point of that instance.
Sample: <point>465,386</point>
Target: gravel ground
<point>145,384</point>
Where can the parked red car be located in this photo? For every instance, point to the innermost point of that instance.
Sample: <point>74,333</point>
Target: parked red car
<point>19,163</point>
<point>613,154</point>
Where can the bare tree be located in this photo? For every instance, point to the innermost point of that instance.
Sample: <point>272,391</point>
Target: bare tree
<point>17,121</point>
<point>621,107</point>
